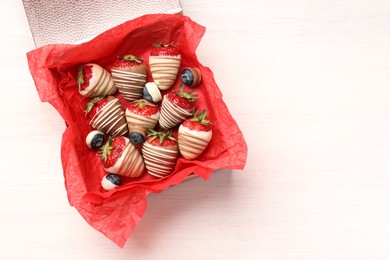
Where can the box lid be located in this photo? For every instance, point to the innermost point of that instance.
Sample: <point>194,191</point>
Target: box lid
<point>58,21</point>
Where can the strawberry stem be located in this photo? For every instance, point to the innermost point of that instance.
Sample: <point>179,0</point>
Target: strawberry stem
<point>160,44</point>
<point>91,104</point>
<point>132,58</point>
<point>80,77</point>
<point>190,96</point>
<point>106,149</point>
<point>160,135</point>
<point>142,102</point>
<point>201,118</point>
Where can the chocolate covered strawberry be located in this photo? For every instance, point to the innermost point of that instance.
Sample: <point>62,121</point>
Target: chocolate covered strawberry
<point>140,116</point>
<point>106,115</point>
<point>93,80</point>
<point>160,152</point>
<point>129,75</point>
<point>164,62</point>
<point>121,157</point>
<point>176,107</point>
<point>194,135</point>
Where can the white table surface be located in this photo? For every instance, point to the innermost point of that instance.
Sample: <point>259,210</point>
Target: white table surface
<point>308,83</point>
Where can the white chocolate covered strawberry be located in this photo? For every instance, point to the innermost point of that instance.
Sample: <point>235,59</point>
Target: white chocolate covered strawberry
<point>160,152</point>
<point>93,81</point>
<point>129,75</point>
<point>164,62</point>
<point>121,157</point>
<point>176,107</point>
<point>194,136</point>
<point>140,116</point>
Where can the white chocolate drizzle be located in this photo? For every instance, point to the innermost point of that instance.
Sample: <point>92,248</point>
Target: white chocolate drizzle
<point>159,162</point>
<point>164,70</point>
<point>111,120</point>
<point>129,84</point>
<point>100,84</point>
<point>130,163</point>
<point>192,143</point>
<point>135,121</point>
<point>172,115</point>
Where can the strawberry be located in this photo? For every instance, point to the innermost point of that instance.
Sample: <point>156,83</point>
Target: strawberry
<point>141,115</point>
<point>129,75</point>
<point>164,62</point>
<point>194,135</point>
<point>176,107</point>
<point>93,81</point>
<point>106,115</point>
<point>160,152</point>
<point>119,156</point>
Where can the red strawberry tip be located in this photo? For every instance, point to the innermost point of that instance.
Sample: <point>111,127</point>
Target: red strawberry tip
<point>91,104</point>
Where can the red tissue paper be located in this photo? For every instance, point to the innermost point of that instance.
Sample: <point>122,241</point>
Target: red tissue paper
<point>54,69</point>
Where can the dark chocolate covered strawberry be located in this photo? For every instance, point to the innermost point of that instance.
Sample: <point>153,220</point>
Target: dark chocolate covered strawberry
<point>93,81</point>
<point>106,115</point>
<point>164,62</point>
<point>176,107</point>
<point>129,75</point>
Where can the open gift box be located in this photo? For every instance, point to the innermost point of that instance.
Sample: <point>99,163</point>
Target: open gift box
<point>54,69</point>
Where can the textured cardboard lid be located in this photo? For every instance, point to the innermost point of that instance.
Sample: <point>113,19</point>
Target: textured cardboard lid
<point>75,21</point>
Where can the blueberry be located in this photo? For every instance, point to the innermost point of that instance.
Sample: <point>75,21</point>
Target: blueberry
<point>114,179</point>
<point>110,181</point>
<point>95,139</point>
<point>136,138</point>
<point>187,77</point>
<point>147,96</point>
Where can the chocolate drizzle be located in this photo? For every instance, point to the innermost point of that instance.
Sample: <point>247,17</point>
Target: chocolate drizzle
<point>111,120</point>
